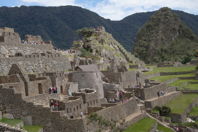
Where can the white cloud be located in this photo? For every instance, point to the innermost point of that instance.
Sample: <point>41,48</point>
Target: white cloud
<point>51,2</point>
<point>118,9</point>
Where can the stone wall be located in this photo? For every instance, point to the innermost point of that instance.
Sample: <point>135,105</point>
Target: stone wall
<point>152,75</point>
<point>161,100</point>
<point>182,117</point>
<point>10,43</point>
<point>175,73</point>
<point>90,80</point>
<point>9,37</point>
<point>37,115</point>
<point>150,92</point>
<point>125,79</point>
<point>74,106</point>
<point>35,64</point>
<point>120,111</point>
<point>91,99</point>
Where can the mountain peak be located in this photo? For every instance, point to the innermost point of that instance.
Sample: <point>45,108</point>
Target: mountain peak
<point>164,37</point>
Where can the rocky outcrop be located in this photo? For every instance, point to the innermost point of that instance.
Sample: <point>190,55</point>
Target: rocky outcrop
<point>103,49</point>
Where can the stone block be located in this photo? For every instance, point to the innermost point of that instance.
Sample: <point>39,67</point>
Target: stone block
<point>8,116</point>
<point>27,120</point>
<point>0,115</point>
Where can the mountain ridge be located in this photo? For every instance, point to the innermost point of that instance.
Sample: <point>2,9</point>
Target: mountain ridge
<point>59,24</point>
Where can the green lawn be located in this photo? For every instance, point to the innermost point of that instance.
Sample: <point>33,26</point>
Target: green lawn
<point>180,103</point>
<point>185,84</point>
<point>143,125</point>
<point>32,128</point>
<point>165,78</point>
<point>164,129</point>
<point>194,111</point>
<point>12,122</point>
<point>170,69</point>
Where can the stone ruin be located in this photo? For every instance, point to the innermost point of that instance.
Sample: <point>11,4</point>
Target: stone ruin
<point>43,86</point>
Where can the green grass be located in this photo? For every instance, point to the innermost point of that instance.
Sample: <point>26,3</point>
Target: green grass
<point>132,69</point>
<point>185,84</point>
<point>12,122</point>
<point>164,129</point>
<point>170,69</point>
<point>165,78</point>
<point>194,111</point>
<point>143,125</point>
<point>32,128</point>
<point>180,103</point>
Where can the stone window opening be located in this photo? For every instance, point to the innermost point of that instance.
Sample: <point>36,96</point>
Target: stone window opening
<point>40,88</point>
<point>77,107</point>
<point>18,54</point>
<point>61,89</point>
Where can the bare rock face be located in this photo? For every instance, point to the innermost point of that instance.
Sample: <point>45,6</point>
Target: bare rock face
<point>164,38</point>
<point>103,49</point>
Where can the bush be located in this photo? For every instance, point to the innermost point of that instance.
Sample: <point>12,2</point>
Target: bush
<point>186,59</point>
<point>165,111</point>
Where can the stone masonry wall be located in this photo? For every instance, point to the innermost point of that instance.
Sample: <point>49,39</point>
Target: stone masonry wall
<point>161,100</point>
<point>35,65</point>
<point>90,80</point>
<point>37,115</point>
<point>151,92</point>
<point>120,111</point>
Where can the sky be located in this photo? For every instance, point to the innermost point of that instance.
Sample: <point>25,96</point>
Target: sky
<point>113,9</point>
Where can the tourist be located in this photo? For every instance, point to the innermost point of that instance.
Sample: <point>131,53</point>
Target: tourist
<point>50,90</point>
<point>81,114</point>
<point>52,104</point>
<point>56,105</point>
<point>121,96</point>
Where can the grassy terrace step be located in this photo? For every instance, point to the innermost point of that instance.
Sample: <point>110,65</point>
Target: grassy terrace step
<point>12,122</point>
<point>165,78</point>
<point>170,69</point>
<point>144,125</point>
<point>180,103</point>
<point>163,129</point>
<point>32,128</point>
<point>185,84</point>
<point>194,112</point>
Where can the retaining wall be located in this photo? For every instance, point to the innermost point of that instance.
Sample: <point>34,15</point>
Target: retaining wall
<point>161,100</point>
<point>120,111</point>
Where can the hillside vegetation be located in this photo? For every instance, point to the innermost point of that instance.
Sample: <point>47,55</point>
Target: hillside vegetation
<point>59,24</point>
<point>165,38</point>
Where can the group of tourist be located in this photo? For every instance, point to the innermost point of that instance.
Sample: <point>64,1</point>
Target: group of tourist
<point>54,105</point>
<point>53,90</point>
<point>119,97</point>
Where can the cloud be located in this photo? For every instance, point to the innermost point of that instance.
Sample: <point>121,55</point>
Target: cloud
<point>118,9</point>
<point>51,2</point>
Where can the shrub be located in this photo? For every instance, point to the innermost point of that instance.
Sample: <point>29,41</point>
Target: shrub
<point>165,111</point>
<point>186,59</point>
